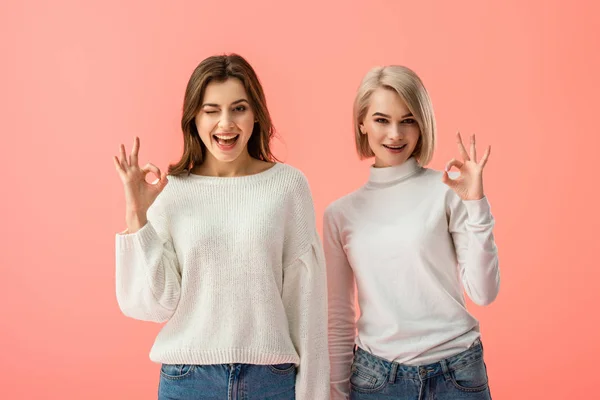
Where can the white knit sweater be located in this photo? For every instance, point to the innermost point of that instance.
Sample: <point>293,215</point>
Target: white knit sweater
<point>235,267</point>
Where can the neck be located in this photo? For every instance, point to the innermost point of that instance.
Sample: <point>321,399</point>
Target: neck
<point>241,166</point>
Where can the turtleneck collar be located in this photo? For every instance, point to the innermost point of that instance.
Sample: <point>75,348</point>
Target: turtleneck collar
<point>395,173</point>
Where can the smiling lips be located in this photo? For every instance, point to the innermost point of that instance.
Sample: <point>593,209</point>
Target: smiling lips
<point>395,148</point>
<point>226,141</point>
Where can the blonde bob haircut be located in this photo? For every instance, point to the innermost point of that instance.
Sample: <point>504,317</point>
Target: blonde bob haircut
<point>411,90</point>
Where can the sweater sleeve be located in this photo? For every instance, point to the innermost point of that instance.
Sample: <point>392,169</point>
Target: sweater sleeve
<point>305,300</point>
<point>342,313</point>
<point>147,271</point>
<point>304,293</point>
<point>471,225</point>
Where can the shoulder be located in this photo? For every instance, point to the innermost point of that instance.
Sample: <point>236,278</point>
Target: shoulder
<point>432,179</point>
<point>344,205</point>
<point>175,186</point>
<point>291,176</point>
<point>292,182</point>
<point>163,205</point>
<point>175,182</point>
<point>294,197</point>
<point>178,187</point>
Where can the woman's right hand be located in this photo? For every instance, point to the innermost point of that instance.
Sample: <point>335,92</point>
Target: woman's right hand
<point>139,194</point>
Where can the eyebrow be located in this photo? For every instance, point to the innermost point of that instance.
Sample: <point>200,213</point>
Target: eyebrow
<point>387,116</point>
<point>234,103</point>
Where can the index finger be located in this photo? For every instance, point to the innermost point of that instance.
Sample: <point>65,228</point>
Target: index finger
<point>152,168</point>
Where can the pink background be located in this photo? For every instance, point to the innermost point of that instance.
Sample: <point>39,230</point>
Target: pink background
<point>78,78</point>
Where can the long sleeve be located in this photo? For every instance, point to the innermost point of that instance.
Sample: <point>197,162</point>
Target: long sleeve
<point>342,314</point>
<point>471,225</point>
<point>148,280</point>
<point>304,297</point>
<point>234,266</point>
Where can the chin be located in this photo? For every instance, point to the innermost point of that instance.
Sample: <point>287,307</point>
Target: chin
<point>226,157</point>
<point>223,156</point>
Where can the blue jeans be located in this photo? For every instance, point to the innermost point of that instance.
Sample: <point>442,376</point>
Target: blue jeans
<point>227,382</point>
<point>460,377</point>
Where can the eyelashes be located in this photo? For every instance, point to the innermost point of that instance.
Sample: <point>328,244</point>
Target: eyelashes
<point>238,109</point>
<point>408,121</point>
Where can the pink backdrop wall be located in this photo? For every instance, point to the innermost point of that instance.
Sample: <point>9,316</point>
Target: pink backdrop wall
<point>78,78</point>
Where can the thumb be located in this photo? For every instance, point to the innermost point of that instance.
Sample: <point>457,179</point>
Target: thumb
<point>163,180</point>
<point>447,180</point>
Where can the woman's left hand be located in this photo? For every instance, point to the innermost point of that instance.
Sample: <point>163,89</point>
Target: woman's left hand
<point>469,185</point>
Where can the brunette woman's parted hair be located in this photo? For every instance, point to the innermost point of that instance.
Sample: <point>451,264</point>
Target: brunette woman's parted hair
<point>220,68</point>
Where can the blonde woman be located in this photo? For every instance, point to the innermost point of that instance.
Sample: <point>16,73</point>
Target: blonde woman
<point>412,240</point>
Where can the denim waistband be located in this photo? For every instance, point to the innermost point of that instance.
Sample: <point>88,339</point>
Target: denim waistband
<point>395,370</point>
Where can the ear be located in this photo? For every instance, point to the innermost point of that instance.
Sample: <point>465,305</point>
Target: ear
<point>362,129</point>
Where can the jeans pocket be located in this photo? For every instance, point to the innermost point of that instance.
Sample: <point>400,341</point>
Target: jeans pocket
<point>471,377</point>
<point>283,369</point>
<point>363,380</point>
<point>176,371</point>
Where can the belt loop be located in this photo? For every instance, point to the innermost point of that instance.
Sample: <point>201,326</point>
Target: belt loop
<point>393,372</point>
<point>445,369</point>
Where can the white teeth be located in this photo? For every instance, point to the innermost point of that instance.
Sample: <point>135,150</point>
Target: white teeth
<point>226,137</point>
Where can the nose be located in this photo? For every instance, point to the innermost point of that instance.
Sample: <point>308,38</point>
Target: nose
<point>226,122</point>
<point>395,132</point>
